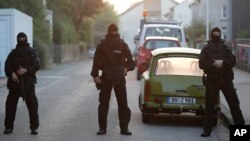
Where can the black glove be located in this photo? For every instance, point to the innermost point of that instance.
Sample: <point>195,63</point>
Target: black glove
<point>98,86</point>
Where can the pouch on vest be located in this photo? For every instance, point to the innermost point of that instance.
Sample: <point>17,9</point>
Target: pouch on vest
<point>114,73</point>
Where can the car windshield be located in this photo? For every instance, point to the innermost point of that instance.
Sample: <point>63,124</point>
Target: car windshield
<point>178,66</point>
<point>154,44</point>
<point>163,31</point>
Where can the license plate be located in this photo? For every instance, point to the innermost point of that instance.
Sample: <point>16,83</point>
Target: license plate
<point>185,100</point>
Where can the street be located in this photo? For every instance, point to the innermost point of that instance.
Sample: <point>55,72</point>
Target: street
<point>68,102</point>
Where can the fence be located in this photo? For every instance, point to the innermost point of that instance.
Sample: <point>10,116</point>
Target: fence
<point>65,53</point>
<point>242,53</point>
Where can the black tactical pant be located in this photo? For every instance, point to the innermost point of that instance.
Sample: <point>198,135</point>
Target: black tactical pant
<point>213,86</point>
<point>11,106</point>
<point>121,97</point>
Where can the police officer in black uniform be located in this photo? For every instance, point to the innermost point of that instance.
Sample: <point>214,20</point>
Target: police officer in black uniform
<point>216,60</point>
<point>20,68</point>
<point>114,58</point>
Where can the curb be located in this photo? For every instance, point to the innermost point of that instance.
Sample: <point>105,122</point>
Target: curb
<point>3,82</point>
<point>225,115</point>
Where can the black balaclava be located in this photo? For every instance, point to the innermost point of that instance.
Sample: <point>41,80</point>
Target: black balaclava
<point>216,35</point>
<point>22,39</point>
<point>112,28</point>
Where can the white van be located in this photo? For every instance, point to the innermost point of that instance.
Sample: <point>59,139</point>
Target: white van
<point>166,30</point>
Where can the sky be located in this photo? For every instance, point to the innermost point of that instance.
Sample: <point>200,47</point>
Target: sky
<point>122,5</point>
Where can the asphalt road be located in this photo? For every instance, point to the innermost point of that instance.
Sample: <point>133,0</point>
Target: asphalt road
<point>68,103</point>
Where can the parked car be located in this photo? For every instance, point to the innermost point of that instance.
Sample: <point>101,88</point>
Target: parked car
<point>173,84</point>
<point>150,44</point>
<point>91,52</point>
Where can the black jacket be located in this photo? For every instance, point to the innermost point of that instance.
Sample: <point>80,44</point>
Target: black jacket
<point>25,57</point>
<point>112,52</point>
<point>217,51</point>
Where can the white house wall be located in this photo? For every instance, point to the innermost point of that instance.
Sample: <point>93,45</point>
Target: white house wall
<point>130,24</point>
<point>166,5</point>
<point>182,12</point>
<point>215,11</point>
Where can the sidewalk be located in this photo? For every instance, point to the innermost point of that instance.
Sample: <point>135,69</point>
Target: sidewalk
<point>3,82</point>
<point>242,84</point>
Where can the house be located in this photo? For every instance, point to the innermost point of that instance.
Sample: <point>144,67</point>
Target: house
<point>12,22</point>
<point>130,22</point>
<point>231,16</point>
<point>217,14</point>
<point>238,17</point>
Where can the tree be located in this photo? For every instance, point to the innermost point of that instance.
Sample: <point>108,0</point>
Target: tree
<point>42,39</point>
<point>244,33</point>
<point>102,20</point>
<point>196,32</point>
<point>36,10</point>
<point>76,10</point>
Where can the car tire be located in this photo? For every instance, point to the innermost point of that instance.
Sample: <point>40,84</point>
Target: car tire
<point>138,76</point>
<point>146,118</point>
<point>199,113</point>
<point>140,103</point>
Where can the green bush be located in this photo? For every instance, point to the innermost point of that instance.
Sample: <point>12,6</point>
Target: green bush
<point>44,53</point>
<point>244,33</point>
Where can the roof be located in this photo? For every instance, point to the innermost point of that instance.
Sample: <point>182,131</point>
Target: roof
<point>132,7</point>
<point>182,50</point>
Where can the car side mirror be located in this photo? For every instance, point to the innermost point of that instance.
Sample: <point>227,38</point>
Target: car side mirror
<point>136,39</point>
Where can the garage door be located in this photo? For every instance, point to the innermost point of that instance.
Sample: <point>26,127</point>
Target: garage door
<point>4,41</point>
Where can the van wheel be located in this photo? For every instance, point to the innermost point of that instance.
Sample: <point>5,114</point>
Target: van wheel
<point>138,76</point>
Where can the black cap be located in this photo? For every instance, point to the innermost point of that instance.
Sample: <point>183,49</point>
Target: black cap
<point>22,37</point>
<point>112,27</point>
<point>216,32</point>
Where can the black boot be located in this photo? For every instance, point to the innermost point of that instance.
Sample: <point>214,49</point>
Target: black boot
<point>7,131</point>
<point>125,132</point>
<point>33,132</point>
<point>206,133</point>
<point>101,132</point>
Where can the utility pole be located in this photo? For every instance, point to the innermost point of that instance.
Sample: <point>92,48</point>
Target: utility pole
<point>207,22</point>
<point>230,20</point>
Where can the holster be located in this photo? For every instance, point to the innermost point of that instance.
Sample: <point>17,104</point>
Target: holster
<point>204,79</point>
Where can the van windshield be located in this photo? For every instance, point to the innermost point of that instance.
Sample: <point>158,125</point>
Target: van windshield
<point>163,31</point>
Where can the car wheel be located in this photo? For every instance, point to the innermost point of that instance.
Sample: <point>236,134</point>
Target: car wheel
<point>146,118</point>
<point>199,113</point>
<point>140,103</point>
<point>138,75</point>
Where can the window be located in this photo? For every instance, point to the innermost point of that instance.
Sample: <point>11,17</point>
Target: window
<point>154,44</point>
<point>224,36</point>
<point>223,12</point>
<point>178,66</point>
